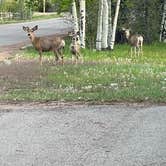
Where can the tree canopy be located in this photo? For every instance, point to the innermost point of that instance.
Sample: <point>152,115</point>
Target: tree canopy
<point>141,16</point>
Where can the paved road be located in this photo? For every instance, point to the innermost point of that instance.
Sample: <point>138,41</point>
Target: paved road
<point>13,33</point>
<point>114,135</point>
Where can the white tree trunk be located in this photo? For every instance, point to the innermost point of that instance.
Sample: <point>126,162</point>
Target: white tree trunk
<point>109,24</point>
<point>104,40</point>
<point>74,17</point>
<point>44,6</point>
<point>99,26</point>
<point>82,22</point>
<point>115,25</point>
<point>163,25</point>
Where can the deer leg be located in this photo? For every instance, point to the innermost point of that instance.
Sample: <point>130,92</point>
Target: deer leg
<point>40,58</point>
<point>141,49</point>
<point>76,58</point>
<point>131,51</point>
<point>135,51</point>
<point>62,60</point>
<point>72,58</point>
<point>82,60</point>
<point>61,54</point>
<point>56,55</point>
<point>79,56</point>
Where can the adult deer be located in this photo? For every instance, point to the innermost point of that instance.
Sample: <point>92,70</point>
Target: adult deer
<point>135,40</point>
<point>43,44</point>
<point>75,46</point>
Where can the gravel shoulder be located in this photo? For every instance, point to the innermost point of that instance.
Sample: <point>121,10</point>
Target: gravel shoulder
<point>58,134</point>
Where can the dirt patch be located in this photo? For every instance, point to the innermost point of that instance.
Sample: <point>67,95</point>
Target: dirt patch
<point>7,52</point>
<point>20,69</point>
<point>24,74</point>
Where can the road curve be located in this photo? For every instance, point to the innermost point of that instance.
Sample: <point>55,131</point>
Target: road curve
<point>13,33</point>
<point>82,135</point>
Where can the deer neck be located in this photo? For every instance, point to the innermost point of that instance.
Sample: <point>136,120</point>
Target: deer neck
<point>34,41</point>
<point>33,38</point>
<point>128,37</point>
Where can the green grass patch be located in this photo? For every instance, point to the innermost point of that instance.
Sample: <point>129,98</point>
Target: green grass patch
<point>105,76</point>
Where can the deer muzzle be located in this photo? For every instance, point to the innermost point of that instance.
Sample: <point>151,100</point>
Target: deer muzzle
<point>29,35</point>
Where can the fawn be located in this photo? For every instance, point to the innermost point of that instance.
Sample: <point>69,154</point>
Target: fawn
<point>75,46</point>
<point>135,40</point>
<point>43,44</point>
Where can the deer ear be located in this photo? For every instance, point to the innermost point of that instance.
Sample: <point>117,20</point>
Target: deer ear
<point>25,28</point>
<point>78,33</point>
<point>35,28</point>
<point>70,33</point>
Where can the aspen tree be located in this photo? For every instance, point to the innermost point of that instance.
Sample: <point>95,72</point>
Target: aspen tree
<point>44,6</point>
<point>74,17</point>
<point>99,26</point>
<point>104,39</point>
<point>109,24</point>
<point>82,22</point>
<point>163,25</point>
<point>115,24</point>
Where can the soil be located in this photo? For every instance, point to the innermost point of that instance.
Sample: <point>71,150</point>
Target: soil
<point>15,70</point>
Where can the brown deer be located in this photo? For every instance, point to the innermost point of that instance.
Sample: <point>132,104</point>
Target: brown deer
<point>135,40</point>
<point>75,47</point>
<point>43,44</point>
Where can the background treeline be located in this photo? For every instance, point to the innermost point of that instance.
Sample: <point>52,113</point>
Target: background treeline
<point>141,16</point>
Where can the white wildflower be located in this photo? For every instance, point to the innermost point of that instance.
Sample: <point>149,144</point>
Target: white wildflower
<point>87,87</point>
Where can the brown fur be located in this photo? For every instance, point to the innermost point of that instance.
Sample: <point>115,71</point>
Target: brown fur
<point>75,47</point>
<point>43,44</point>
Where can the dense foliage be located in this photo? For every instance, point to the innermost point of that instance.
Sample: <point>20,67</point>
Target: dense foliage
<point>141,16</point>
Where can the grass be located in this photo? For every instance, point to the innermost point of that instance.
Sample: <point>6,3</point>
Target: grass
<point>105,76</point>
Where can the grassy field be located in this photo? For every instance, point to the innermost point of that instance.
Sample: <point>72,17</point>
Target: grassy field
<point>107,76</point>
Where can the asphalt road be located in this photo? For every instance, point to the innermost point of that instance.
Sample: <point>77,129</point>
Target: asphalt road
<point>13,33</point>
<point>82,135</point>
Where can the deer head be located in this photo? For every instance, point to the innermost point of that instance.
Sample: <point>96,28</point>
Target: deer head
<point>30,31</point>
<point>75,37</point>
<point>126,32</point>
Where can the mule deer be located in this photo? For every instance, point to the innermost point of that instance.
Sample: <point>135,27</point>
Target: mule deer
<point>75,47</point>
<point>43,44</point>
<point>135,40</point>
